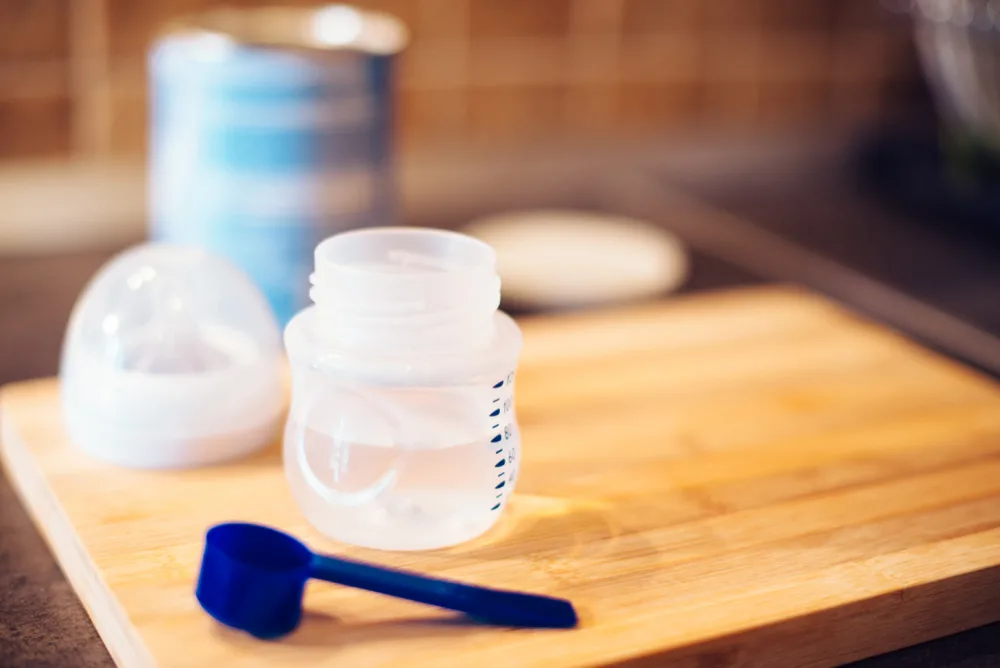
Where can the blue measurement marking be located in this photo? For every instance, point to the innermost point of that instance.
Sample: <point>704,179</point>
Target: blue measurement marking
<point>497,439</point>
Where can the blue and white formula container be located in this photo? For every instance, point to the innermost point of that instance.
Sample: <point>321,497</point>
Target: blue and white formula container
<point>272,130</point>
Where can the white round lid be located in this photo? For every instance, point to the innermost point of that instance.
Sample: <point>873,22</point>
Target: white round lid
<point>553,258</point>
<point>172,358</point>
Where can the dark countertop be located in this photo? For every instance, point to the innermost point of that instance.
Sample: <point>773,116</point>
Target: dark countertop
<point>42,623</point>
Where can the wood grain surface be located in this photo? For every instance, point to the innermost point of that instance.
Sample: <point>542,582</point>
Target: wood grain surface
<point>747,478</point>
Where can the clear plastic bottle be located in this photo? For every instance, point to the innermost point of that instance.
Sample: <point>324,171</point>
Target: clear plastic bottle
<point>402,433</point>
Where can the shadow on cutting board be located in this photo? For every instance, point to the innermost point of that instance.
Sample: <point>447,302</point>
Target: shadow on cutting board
<point>320,629</point>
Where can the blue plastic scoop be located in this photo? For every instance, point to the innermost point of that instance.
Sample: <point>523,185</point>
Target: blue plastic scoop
<point>253,577</point>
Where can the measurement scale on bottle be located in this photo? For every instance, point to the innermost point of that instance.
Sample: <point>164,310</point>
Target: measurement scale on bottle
<point>504,439</point>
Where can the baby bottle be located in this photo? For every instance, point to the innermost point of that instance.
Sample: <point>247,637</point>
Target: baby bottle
<point>401,433</point>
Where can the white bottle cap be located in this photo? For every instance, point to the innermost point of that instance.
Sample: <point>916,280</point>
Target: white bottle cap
<point>172,358</point>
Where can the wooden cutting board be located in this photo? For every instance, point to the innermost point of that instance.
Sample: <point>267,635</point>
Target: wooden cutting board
<point>749,478</point>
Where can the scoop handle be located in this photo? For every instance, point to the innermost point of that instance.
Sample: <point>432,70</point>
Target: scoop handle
<point>496,606</point>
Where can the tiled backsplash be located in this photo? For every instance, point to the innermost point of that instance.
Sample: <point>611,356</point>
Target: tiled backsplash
<point>72,71</point>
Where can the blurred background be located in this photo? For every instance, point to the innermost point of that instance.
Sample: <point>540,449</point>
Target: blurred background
<point>862,132</point>
<point>684,145</point>
<point>72,72</point>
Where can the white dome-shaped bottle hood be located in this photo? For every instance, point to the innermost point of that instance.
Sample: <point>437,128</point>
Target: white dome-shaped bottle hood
<point>171,359</point>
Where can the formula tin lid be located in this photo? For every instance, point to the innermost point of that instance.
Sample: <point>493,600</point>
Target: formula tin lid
<point>554,259</point>
<point>172,358</point>
<point>335,27</point>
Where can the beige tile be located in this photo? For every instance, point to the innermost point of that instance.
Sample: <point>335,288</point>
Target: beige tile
<point>732,55</point>
<point>796,56</point>
<point>652,108</point>
<point>519,18</point>
<point>730,103</point>
<point>129,77</point>
<point>592,109</point>
<point>45,79</point>
<point>441,65</point>
<point>597,17</point>
<point>665,57</point>
<point>129,129</point>
<point>517,111</point>
<point>430,115</point>
<point>742,14</point>
<point>794,103</point>
<point>526,61</point>
<point>436,19</point>
<point>594,42</point>
<point>32,128</point>
<point>590,61</point>
<point>799,15</point>
<point>34,29</point>
<point>663,16</point>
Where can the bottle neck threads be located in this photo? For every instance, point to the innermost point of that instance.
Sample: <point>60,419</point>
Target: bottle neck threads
<point>400,289</point>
